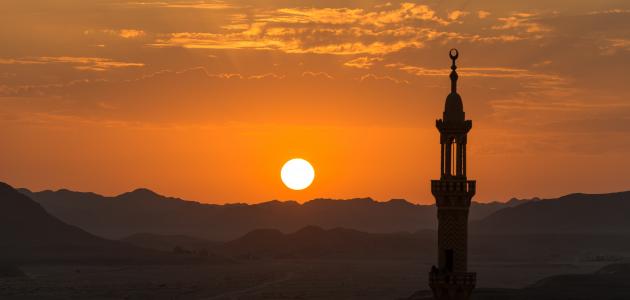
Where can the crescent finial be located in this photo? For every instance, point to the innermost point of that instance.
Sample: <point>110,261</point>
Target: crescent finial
<point>453,53</point>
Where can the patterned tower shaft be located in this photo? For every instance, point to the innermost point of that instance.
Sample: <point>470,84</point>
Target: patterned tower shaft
<point>452,237</point>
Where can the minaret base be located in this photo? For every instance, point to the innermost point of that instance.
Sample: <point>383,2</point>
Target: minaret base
<point>452,285</point>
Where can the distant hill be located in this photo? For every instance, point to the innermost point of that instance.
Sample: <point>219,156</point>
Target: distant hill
<point>479,211</point>
<point>308,242</point>
<point>169,242</point>
<point>574,213</point>
<point>610,282</point>
<point>312,242</point>
<point>29,233</point>
<point>315,242</point>
<point>143,211</point>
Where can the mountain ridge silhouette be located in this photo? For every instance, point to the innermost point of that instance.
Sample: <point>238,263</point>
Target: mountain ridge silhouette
<point>314,242</point>
<point>31,234</point>
<point>144,211</point>
<point>572,213</point>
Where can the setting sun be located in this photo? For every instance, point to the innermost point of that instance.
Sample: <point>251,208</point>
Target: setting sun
<point>297,174</point>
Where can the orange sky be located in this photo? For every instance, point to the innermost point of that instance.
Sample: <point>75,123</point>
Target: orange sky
<point>205,100</point>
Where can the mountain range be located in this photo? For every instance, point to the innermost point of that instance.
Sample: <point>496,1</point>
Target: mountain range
<point>576,226</point>
<point>144,211</point>
<point>526,235</point>
<point>574,213</point>
<point>29,234</point>
<point>312,242</point>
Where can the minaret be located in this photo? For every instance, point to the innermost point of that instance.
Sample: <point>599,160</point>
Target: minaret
<point>453,192</point>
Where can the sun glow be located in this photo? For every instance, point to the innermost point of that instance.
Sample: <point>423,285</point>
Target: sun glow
<point>297,174</point>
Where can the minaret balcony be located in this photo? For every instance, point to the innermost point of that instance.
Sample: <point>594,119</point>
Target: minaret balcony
<point>453,187</point>
<point>453,127</point>
<point>453,278</point>
<point>452,285</point>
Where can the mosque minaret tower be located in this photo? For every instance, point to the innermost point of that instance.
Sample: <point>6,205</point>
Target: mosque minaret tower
<point>453,192</point>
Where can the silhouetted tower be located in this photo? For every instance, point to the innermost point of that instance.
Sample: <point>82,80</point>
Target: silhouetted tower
<point>453,192</point>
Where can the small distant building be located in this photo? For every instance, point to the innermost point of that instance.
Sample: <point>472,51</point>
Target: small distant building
<point>453,192</point>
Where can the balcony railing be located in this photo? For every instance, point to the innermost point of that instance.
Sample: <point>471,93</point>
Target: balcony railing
<point>454,278</point>
<point>446,186</point>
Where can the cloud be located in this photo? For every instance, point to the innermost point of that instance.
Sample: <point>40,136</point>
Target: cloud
<point>317,74</point>
<point>339,31</point>
<point>126,33</point>
<point>211,5</point>
<point>543,63</point>
<point>564,105</point>
<point>79,63</point>
<point>266,76</point>
<point>482,14</point>
<point>521,21</point>
<point>609,11</point>
<point>315,15</point>
<point>241,40</point>
<point>374,77</point>
<point>282,40</point>
<point>363,62</point>
<point>404,13</point>
<point>456,14</point>
<point>489,72</point>
<point>347,31</point>
<point>195,96</point>
<point>613,45</point>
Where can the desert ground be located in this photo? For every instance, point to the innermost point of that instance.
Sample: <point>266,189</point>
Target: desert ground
<point>261,279</point>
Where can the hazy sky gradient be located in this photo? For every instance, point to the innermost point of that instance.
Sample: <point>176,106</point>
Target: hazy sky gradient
<point>206,100</point>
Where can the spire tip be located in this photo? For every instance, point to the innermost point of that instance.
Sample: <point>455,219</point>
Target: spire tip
<point>453,54</point>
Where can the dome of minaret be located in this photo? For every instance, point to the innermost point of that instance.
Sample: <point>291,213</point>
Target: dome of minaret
<point>453,107</point>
